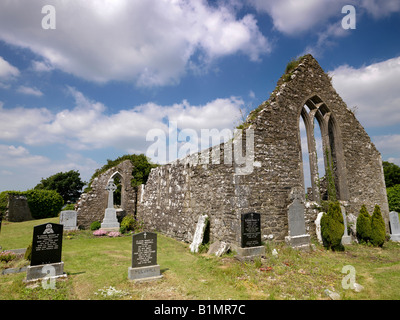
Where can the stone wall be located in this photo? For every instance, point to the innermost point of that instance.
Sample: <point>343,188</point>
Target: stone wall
<point>177,193</point>
<point>17,209</point>
<point>91,205</point>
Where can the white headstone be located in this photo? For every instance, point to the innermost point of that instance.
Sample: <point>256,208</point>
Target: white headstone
<point>346,239</point>
<point>318,227</point>
<point>394,226</point>
<point>68,219</point>
<point>110,221</point>
<point>199,233</point>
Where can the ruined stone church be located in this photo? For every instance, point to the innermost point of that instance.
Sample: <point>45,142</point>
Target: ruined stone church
<point>176,194</point>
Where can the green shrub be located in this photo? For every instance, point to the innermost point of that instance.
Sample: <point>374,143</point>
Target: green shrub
<point>363,228</point>
<point>332,227</point>
<point>69,206</point>
<point>378,231</point>
<point>28,253</point>
<point>130,223</point>
<point>393,195</point>
<point>95,225</point>
<point>44,203</point>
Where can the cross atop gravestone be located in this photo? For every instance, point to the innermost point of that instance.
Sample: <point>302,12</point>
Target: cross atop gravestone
<point>111,187</point>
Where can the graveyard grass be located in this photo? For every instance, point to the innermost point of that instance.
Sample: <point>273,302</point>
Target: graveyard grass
<point>97,269</point>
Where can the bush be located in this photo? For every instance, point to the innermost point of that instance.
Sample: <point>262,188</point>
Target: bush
<point>393,195</point>
<point>28,253</point>
<point>130,223</point>
<point>44,203</point>
<point>332,227</point>
<point>95,225</point>
<point>69,206</point>
<point>363,228</point>
<point>378,231</point>
<point>7,256</point>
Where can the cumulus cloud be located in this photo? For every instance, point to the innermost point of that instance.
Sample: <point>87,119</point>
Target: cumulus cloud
<point>7,70</point>
<point>29,91</point>
<point>88,125</point>
<point>293,17</point>
<point>148,42</point>
<point>374,89</point>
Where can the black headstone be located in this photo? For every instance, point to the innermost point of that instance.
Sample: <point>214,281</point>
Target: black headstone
<point>250,230</point>
<point>144,249</point>
<point>47,244</point>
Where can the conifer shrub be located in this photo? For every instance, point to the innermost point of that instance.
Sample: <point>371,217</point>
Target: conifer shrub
<point>332,227</point>
<point>378,232</point>
<point>95,225</point>
<point>363,228</point>
<point>130,223</point>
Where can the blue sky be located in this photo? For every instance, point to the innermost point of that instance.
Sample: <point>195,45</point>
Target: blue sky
<point>111,71</point>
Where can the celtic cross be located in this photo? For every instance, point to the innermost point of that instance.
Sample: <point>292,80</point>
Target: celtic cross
<point>111,187</point>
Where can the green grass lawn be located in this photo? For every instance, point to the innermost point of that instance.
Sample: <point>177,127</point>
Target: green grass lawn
<point>93,265</point>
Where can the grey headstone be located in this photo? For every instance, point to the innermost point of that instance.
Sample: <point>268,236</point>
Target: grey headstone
<point>218,248</point>
<point>297,225</point>
<point>394,226</point>
<point>144,249</point>
<point>68,219</point>
<point>297,236</point>
<point>144,257</point>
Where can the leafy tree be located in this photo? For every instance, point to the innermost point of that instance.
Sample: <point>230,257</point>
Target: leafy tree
<point>392,174</point>
<point>363,228</point>
<point>67,184</point>
<point>141,169</point>
<point>393,195</point>
<point>378,232</point>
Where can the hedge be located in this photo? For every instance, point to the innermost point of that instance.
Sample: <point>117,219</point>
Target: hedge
<point>42,203</point>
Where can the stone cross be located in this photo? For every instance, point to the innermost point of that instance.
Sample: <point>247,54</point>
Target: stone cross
<point>111,187</point>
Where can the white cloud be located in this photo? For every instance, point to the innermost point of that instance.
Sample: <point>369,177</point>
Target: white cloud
<point>380,8</point>
<point>7,73</point>
<point>7,70</point>
<point>42,66</point>
<point>149,42</point>
<point>29,91</point>
<point>293,16</point>
<point>374,89</point>
<point>22,170</point>
<point>87,125</point>
<point>11,156</point>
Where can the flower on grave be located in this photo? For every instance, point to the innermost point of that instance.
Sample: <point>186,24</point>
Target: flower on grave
<point>99,233</point>
<point>114,234</point>
<point>7,256</point>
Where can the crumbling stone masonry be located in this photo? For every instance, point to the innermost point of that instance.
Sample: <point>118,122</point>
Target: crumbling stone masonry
<point>176,194</point>
<point>91,205</point>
